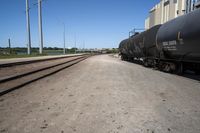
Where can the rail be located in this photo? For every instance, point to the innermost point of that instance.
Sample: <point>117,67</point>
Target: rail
<point>15,81</point>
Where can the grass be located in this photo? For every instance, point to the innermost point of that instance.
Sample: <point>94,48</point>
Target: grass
<point>18,56</point>
<point>22,53</point>
<point>35,54</point>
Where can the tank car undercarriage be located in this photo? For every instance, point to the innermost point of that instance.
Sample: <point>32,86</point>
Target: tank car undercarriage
<point>169,66</point>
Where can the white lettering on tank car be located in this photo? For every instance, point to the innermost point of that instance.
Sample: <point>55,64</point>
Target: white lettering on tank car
<point>165,43</point>
<point>170,45</point>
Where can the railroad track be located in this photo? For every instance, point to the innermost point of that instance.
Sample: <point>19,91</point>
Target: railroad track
<point>15,81</point>
<point>36,61</point>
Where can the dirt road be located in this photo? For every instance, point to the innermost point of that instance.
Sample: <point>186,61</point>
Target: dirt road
<point>104,95</point>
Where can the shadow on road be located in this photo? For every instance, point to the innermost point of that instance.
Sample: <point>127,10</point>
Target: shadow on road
<point>187,74</point>
<point>191,75</point>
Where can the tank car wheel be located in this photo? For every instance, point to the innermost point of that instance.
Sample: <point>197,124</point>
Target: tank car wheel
<point>167,68</point>
<point>145,63</point>
<point>122,57</point>
<point>180,69</point>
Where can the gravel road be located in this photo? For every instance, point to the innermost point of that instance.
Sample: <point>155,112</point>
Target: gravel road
<point>104,95</point>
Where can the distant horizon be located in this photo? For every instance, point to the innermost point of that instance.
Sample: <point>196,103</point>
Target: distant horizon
<point>56,47</point>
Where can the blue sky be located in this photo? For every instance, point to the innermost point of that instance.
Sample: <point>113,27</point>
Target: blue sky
<point>98,23</point>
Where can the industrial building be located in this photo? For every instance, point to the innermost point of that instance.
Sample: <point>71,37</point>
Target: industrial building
<point>169,9</point>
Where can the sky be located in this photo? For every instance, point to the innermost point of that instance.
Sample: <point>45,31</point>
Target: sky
<point>92,23</point>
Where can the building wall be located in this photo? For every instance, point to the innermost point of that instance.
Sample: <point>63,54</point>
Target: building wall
<point>173,9</point>
<point>181,7</point>
<point>167,10</point>
<point>158,14</point>
<point>147,23</point>
<point>192,5</point>
<point>164,11</point>
<point>152,17</point>
<point>197,4</point>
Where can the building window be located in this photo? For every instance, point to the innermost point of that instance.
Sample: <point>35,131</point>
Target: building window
<point>166,3</point>
<point>177,12</point>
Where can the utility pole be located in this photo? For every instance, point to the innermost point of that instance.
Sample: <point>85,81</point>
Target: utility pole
<point>83,46</point>
<point>28,28</point>
<point>64,49</point>
<point>40,25</point>
<point>9,45</point>
<point>75,44</point>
